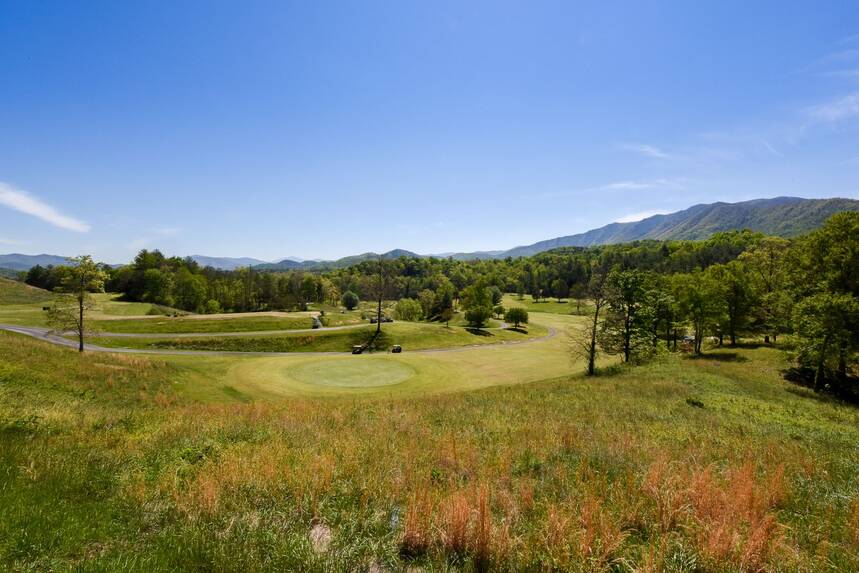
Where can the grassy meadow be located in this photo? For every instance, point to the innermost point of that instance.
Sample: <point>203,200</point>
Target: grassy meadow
<point>114,463</point>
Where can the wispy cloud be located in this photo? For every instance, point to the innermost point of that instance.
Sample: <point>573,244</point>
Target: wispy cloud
<point>23,202</point>
<point>768,146</point>
<point>633,217</point>
<point>645,150</point>
<point>627,185</point>
<point>836,110</point>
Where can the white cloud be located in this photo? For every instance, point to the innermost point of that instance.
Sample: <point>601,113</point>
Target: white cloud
<point>646,150</point>
<point>633,217</point>
<point>25,203</point>
<point>623,185</point>
<point>639,184</point>
<point>628,185</point>
<point>837,110</point>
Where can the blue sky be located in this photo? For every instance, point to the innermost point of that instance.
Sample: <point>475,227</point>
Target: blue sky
<point>319,129</point>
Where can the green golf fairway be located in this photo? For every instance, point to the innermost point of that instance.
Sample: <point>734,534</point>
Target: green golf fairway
<point>359,372</point>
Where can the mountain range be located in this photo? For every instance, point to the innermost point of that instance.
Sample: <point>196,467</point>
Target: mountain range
<point>780,216</point>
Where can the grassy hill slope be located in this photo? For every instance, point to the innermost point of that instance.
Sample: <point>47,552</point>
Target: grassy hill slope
<point>14,292</point>
<point>712,465</point>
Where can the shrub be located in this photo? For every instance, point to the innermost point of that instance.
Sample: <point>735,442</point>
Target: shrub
<point>349,300</point>
<point>496,294</point>
<point>478,315</point>
<point>408,309</point>
<point>517,316</point>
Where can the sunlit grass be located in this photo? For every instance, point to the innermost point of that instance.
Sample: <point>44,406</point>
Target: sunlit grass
<point>112,462</point>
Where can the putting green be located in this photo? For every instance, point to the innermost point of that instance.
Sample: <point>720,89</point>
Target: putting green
<point>355,373</point>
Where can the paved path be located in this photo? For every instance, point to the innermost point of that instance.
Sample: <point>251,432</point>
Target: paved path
<point>156,335</point>
<point>48,336</point>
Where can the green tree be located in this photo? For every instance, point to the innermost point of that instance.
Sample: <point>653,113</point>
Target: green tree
<point>496,295</point>
<point>627,326</point>
<point>445,294</point>
<point>408,309</point>
<point>733,289</point>
<point>190,290</point>
<point>516,315</point>
<point>158,287</point>
<point>69,313</point>
<point>825,277</point>
<point>427,300</point>
<point>827,328</point>
<point>349,300</point>
<point>766,271</point>
<point>697,301</point>
<point>559,288</point>
<point>579,291</point>
<point>477,302</point>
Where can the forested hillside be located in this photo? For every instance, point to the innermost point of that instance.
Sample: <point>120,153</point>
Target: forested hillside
<point>782,217</point>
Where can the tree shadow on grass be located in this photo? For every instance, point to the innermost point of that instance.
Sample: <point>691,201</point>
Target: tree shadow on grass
<point>520,330</point>
<point>719,357</point>
<point>610,370</point>
<point>478,331</point>
<point>753,345</point>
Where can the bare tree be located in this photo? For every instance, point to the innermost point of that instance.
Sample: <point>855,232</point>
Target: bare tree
<point>382,288</point>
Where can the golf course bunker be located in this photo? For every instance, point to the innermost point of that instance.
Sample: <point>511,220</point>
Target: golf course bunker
<point>353,373</point>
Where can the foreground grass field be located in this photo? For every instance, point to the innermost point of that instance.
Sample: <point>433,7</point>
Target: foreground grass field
<point>190,463</point>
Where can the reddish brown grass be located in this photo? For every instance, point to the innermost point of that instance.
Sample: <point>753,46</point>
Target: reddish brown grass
<point>853,521</point>
<point>417,535</point>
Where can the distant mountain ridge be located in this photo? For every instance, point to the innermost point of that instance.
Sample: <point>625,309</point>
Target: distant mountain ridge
<point>781,216</point>
<point>19,262</point>
<point>226,263</point>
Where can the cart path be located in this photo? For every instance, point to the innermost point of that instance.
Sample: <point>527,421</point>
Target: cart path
<point>48,336</point>
<point>155,335</point>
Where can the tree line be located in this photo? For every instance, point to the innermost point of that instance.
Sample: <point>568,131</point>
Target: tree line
<point>643,296</point>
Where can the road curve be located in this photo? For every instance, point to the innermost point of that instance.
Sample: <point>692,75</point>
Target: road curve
<point>48,336</point>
